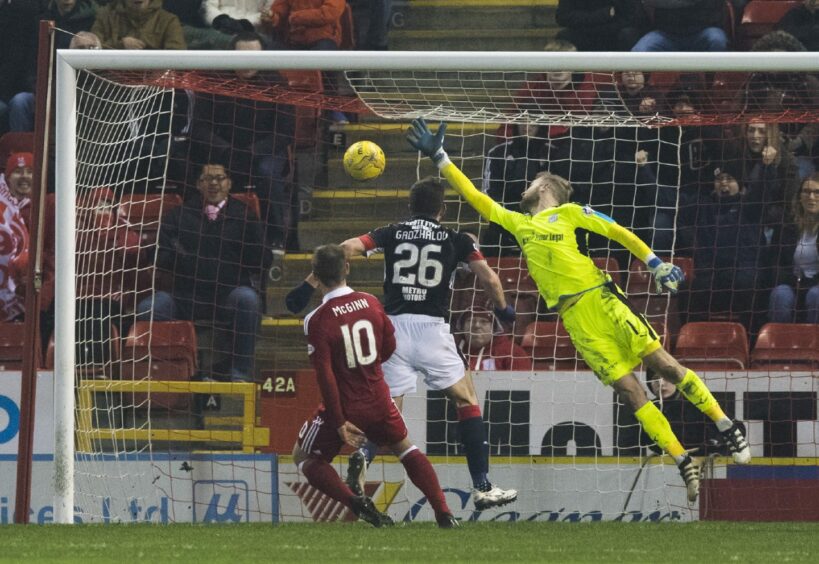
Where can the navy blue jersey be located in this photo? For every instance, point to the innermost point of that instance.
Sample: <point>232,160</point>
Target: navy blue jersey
<point>420,259</point>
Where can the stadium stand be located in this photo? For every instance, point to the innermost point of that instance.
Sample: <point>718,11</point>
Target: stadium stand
<point>786,346</point>
<point>712,345</point>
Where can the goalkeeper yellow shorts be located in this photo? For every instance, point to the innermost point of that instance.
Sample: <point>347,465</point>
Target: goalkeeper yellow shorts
<point>608,333</point>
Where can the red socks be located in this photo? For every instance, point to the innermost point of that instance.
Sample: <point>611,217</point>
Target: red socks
<point>323,477</point>
<point>422,474</point>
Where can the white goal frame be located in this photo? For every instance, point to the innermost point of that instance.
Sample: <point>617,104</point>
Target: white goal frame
<point>68,62</point>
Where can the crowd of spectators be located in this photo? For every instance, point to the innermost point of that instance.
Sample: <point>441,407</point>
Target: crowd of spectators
<point>739,199</point>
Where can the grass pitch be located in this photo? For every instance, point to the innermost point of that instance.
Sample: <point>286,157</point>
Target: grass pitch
<point>473,542</point>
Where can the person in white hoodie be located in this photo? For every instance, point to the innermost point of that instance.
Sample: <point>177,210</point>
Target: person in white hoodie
<point>250,10</point>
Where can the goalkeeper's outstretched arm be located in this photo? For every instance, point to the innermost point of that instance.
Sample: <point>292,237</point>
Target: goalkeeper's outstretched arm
<point>432,146</point>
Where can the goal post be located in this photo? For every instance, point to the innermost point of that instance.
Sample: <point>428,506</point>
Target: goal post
<point>395,87</point>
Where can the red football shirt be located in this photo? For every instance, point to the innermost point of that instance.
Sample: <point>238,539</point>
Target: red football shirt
<point>348,337</point>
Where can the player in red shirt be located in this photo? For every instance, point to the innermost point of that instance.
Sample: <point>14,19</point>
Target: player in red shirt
<point>348,337</point>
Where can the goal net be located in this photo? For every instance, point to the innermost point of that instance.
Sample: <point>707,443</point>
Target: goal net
<point>190,380</point>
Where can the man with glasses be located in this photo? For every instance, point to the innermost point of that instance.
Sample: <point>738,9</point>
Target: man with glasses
<point>213,247</point>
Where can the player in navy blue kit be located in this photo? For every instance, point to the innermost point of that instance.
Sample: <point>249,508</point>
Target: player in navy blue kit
<point>420,259</point>
<point>349,335</point>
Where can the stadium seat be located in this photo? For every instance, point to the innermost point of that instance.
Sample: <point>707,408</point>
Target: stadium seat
<point>161,350</point>
<point>144,212</point>
<point>786,346</point>
<point>713,345</point>
<point>307,118</point>
<point>251,200</point>
<point>760,17</point>
<point>610,265</point>
<point>15,142</point>
<point>11,345</point>
<point>551,347</point>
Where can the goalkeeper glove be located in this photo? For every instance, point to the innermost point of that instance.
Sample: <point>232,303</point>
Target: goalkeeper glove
<point>506,314</point>
<point>432,146</point>
<point>665,275</point>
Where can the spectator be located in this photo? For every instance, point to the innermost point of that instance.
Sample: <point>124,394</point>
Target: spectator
<point>307,24</point>
<point>198,33</point>
<point>485,349</point>
<point>251,137</point>
<point>18,183</point>
<point>70,17</point>
<point>371,22</point>
<point>18,63</point>
<point>685,25</point>
<point>235,16</point>
<point>601,25</point>
<point>138,24</point>
<point>781,92</point>
<point>14,235</point>
<point>508,169</point>
<point>725,253</point>
<point>85,40</point>
<point>213,247</point>
<point>769,172</point>
<point>803,23</point>
<point>797,268</point>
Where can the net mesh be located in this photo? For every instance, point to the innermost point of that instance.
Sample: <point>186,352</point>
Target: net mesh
<point>702,166</point>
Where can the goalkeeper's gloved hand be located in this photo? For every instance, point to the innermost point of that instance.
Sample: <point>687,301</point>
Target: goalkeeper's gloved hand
<point>666,275</point>
<point>506,314</point>
<point>429,144</point>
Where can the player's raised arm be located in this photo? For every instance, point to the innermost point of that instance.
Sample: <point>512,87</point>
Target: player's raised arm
<point>432,146</point>
<point>492,285</point>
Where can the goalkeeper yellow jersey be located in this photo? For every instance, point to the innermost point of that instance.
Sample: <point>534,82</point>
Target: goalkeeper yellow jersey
<point>549,240</point>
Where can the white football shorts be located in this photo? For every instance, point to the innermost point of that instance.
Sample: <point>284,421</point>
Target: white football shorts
<point>424,347</point>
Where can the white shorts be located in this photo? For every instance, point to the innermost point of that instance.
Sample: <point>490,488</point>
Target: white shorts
<point>424,347</point>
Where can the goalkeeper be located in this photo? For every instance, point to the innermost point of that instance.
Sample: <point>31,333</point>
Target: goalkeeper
<point>612,337</point>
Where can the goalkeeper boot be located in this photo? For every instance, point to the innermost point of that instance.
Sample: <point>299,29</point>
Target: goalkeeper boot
<point>690,473</point>
<point>492,497</point>
<point>737,444</point>
<point>357,472</point>
<point>365,509</point>
<point>447,521</point>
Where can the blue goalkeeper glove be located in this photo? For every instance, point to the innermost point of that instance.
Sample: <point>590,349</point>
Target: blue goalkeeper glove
<point>506,314</point>
<point>432,146</point>
<point>666,275</point>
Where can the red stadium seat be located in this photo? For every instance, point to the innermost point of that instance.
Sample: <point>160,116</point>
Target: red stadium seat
<point>251,200</point>
<point>551,347</point>
<point>161,350</point>
<point>786,346</point>
<point>713,345</point>
<point>144,212</point>
<point>15,142</point>
<point>760,17</point>
<point>11,345</point>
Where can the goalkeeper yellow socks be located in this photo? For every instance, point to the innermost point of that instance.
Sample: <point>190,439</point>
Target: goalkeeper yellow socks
<point>698,393</point>
<point>658,428</point>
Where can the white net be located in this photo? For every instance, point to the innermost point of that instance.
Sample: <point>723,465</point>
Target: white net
<point>651,156</point>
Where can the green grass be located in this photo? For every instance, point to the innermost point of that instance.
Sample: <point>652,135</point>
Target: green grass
<point>474,542</point>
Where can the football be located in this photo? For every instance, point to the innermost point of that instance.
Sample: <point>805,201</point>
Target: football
<point>364,160</point>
